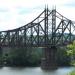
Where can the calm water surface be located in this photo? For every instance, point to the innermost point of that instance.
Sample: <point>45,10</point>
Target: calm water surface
<point>34,71</point>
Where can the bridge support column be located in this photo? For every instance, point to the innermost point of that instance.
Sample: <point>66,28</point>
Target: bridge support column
<point>49,59</point>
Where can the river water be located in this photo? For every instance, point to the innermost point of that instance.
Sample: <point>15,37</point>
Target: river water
<point>34,71</point>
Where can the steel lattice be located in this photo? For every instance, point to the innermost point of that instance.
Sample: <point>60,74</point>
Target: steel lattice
<point>49,28</point>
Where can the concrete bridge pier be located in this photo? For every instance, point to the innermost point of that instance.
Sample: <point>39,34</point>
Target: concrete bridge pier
<point>49,59</point>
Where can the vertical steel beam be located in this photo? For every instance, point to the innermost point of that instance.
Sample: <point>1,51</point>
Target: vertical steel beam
<point>31,35</point>
<point>70,31</point>
<point>38,33</point>
<point>8,38</point>
<point>62,30</point>
<point>53,25</point>
<point>18,38</point>
<point>25,36</point>
<point>45,27</point>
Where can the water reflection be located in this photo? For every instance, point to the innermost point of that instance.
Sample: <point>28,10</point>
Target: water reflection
<point>34,71</point>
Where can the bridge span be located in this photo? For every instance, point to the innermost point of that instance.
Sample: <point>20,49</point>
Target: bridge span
<point>49,30</point>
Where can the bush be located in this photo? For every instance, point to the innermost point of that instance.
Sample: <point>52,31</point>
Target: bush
<point>72,73</point>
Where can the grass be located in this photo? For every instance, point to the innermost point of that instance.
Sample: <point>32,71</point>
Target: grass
<point>72,73</point>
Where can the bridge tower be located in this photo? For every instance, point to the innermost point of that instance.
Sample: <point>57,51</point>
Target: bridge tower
<point>49,59</point>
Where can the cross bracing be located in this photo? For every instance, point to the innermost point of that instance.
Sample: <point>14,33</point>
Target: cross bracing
<point>49,28</point>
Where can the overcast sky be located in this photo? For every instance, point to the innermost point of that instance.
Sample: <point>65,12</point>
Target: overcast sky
<point>16,13</point>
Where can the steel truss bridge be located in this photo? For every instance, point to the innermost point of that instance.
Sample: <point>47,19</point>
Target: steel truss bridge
<point>50,28</point>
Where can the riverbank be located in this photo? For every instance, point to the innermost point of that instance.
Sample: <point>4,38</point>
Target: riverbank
<point>72,73</point>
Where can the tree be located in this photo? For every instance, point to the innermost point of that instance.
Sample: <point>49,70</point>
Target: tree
<point>62,58</point>
<point>71,49</point>
<point>71,52</point>
<point>24,57</point>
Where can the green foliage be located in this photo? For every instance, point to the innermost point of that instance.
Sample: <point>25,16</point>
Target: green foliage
<point>34,56</point>
<point>71,49</point>
<point>62,58</point>
<point>73,62</point>
<point>23,57</point>
<point>72,73</point>
<point>71,52</point>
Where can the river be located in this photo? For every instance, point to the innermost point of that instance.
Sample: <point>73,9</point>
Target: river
<point>34,71</point>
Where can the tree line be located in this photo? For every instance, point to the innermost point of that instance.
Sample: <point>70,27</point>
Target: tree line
<point>32,56</point>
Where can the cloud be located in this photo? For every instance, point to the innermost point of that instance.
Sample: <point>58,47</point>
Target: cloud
<point>16,13</point>
<point>3,10</point>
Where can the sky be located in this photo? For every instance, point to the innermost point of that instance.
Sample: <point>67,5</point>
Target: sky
<point>17,13</point>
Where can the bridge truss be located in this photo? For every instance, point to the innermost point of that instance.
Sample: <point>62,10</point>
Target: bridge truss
<point>48,29</point>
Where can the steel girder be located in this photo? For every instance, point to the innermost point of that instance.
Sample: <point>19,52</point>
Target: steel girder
<point>49,28</point>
